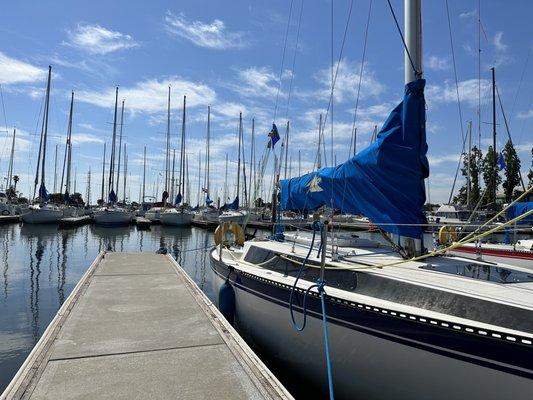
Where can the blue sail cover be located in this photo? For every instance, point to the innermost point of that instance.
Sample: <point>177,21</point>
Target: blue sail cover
<point>208,200</point>
<point>112,196</point>
<point>234,205</point>
<point>384,182</point>
<point>43,193</point>
<point>178,198</point>
<point>518,209</point>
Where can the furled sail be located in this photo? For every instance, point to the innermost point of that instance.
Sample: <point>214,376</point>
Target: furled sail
<point>384,182</point>
<point>518,209</point>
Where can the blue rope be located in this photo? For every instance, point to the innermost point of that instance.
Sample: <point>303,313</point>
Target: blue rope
<point>320,284</point>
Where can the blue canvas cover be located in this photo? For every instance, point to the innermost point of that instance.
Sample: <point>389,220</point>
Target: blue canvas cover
<point>43,193</point>
<point>518,209</point>
<point>234,205</point>
<point>112,196</point>
<point>384,182</point>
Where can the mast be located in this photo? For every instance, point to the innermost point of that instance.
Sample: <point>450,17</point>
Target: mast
<point>120,147</point>
<point>167,154</point>
<point>68,147</point>
<point>495,161</point>
<point>187,185</point>
<point>252,165</point>
<point>125,174</point>
<point>199,178</point>
<point>173,181</point>
<point>55,171</point>
<point>413,40</point>
<point>11,160</point>
<point>287,150</point>
<point>469,177</point>
<point>318,156</point>
<point>226,181</point>
<point>88,197</point>
<point>44,133</point>
<point>103,174</point>
<point>239,156</point>
<point>207,150</point>
<point>144,176</point>
<point>112,159</point>
<point>182,158</point>
<point>244,171</point>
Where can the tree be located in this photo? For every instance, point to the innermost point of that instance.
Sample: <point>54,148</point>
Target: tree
<point>16,180</point>
<point>512,171</point>
<point>474,161</point>
<point>492,179</point>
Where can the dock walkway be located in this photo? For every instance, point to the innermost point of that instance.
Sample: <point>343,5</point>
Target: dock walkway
<point>136,326</point>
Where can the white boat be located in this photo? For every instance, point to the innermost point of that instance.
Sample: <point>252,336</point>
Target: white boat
<point>176,217</point>
<point>154,214</point>
<point>450,216</point>
<point>389,326</point>
<point>234,216</point>
<point>112,216</point>
<point>207,214</point>
<point>340,239</point>
<point>42,214</point>
<point>6,209</point>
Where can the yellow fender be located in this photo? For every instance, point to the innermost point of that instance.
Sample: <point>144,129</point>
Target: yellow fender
<point>235,229</point>
<point>447,235</point>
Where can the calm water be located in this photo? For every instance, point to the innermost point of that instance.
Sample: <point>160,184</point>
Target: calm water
<point>40,265</point>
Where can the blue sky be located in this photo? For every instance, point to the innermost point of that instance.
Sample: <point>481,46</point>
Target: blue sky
<point>228,55</point>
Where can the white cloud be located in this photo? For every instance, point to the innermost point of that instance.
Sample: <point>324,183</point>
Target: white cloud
<point>443,158</point>
<point>525,114</point>
<point>150,96</point>
<point>498,43</point>
<point>82,138</point>
<point>347,82</point>
<point>438,63</point>
<point>468,92</point>
<point>468,14</point>
<point>96,39</point>
<point>14,71</point>
<point>212,35</point>
<point>257,82</point>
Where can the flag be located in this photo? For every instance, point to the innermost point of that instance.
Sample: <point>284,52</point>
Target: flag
<point>501,161</point>
<point>273,135</point>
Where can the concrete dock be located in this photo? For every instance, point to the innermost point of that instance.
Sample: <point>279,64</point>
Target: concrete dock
<point>136,326</point>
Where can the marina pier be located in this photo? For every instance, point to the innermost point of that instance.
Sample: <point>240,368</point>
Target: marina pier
<point>136,326</point>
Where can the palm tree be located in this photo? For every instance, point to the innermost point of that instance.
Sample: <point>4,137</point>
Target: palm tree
<point>15,179</point>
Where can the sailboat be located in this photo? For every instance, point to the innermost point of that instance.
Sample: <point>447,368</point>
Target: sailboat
<point>110,214</point>
<point>208,213</point>
<point>179,215</point>
<point>9,196</point>
<point>369,322</point>
<point>232,212</point>
<point>41,212</point>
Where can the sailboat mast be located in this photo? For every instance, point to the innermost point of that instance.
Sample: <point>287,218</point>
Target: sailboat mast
<point>413,40</point>
<point>11,160</point>
<point>199,178</point>
<point>495,161</point>
<point>286,150</point>
<point>112,160</point>
<point>226,181</point>
<point>103,174</point>
<point>144,176</point>
<point>469,176</point>
<point>173,181</point>
<point>120,147</point>
<point>167,156</point>
<point>252,164</point>
<point>69,145</point>
<point>207,150</point>
<point>239,156</point>
<point>182,158</point>
<point>44,130</point>
<point>45,136</point>
<point>125,174</point>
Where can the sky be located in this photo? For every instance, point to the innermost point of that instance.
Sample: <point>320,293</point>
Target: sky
<point>232,56</point>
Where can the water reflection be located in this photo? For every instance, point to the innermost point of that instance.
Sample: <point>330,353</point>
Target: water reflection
<point>41,264</point>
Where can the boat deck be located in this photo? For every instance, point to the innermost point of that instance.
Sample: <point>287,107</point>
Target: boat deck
<point>136,326</point>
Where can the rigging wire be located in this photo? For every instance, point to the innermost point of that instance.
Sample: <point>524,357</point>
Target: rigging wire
<point>294,59</point>
<point>363,57</point>
<point>417,73</point>
<point>283,60</point>
<point>458,98</point>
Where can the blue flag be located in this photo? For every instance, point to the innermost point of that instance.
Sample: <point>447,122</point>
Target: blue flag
<point>501,161</point>
<point>273,135</point>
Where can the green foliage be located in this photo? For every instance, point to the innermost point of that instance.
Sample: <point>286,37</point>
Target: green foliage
<point>474,161</point>
<point>530,174</point>
<point>491,178</point>
<point>512,171</point>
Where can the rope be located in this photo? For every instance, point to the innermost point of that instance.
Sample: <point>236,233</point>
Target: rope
<point>417,73</point>
<point>320,285</point>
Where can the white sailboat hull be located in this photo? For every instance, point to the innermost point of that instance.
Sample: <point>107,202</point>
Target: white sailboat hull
<point>176,218</point>
<point>112,217</point>
<point>43,215</point>
<point>236,217</point>
<point>365,366</point>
